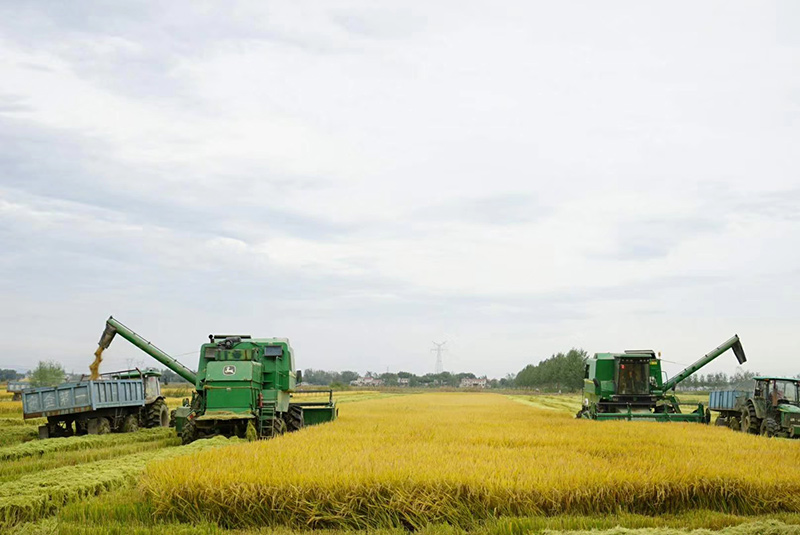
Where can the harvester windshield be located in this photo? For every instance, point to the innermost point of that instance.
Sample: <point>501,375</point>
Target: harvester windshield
<point>633,377</point>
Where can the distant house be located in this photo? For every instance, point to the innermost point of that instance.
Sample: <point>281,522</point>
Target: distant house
<point>402,381</point>
<point>468,382</point>
<point>367,381</point>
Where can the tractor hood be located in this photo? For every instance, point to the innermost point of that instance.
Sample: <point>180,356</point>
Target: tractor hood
<point>785,407</point>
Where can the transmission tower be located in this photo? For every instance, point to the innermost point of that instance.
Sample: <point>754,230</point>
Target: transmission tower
<point>439,349</point>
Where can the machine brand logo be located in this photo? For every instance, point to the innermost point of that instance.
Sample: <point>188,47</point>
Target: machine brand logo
<point>229,370</point>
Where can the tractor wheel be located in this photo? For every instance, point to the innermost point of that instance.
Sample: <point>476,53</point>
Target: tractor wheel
<point>131,424</point>
<point>734,423</point>
<point>769,427</point>
<point>750,422</point>
<point>721,421</point>
<point>172,418</point>
<point>158,414</point>
<point>103,426</point>
<point>189,432</point>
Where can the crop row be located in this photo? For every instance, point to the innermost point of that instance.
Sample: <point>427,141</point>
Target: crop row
<point>36,495</point>
<point>42,447</point>
<point>462,458</point>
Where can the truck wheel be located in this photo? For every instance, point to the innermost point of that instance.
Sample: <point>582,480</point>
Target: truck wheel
<point>769,427</point>
<point>750,422</point>
<point>158,414</point>
<point>734,423</point>
<point>189,432</point>
<point>103,426</point>
<point>131,424</point>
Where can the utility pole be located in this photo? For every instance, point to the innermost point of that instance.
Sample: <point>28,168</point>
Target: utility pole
<point>439,349</point>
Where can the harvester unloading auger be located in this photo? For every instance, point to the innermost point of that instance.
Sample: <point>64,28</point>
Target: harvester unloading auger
<point>630,386</point>
<point>243,386</point>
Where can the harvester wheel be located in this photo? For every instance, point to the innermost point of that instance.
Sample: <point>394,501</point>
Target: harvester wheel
<point>158,414</point>
<point>721,421</point>
<point>294,418</point>
<point>189,432</point>
<point>750,422</point>
<point>278,426</point>
<point>103,426</point>
<point>769,427</point>
<point>131,424</point>
<point>734,423</point>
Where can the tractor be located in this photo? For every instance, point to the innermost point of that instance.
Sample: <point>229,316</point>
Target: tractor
<point>771,409</point>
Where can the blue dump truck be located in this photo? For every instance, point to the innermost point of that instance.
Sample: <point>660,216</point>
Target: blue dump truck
<point>16,388</point>
<point>120,401</point>
<point>771,408</point>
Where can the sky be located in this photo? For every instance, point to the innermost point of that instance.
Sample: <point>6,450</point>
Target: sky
<point>367,178</point>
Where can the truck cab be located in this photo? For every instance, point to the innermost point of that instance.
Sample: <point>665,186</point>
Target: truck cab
<point>150,380</point>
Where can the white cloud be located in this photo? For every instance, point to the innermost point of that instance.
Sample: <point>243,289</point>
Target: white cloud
<point>519,180</point>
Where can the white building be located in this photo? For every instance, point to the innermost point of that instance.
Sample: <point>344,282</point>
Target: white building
<point>467,382</point>
<point>367,381</point>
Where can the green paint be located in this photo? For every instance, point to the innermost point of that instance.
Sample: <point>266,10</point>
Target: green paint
<point>630,386</point>
<point>240,382</point>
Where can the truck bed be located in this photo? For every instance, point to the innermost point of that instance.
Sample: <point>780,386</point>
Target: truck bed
<point>85,396</point>
<point>725,400</point>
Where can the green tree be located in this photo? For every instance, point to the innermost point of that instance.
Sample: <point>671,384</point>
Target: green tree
<point>47,373</point>
<point>560,371</point>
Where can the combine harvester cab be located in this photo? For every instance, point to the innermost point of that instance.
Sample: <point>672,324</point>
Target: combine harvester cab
<point>243,386</point>
<point>630,386</point>
<point>771,408</point>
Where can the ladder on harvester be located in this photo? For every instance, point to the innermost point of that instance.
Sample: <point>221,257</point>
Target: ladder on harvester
<point>266,421</point>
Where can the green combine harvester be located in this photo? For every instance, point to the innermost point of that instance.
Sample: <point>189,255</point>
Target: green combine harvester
<point>243,386</point>
<point>631,386</point>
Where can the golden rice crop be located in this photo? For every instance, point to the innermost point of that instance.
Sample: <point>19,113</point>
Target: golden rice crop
<point>11,408</point>
<point>409,461</point>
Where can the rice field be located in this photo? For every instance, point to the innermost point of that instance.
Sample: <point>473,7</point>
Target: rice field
<point>461,459</point>
<point>435,463</point>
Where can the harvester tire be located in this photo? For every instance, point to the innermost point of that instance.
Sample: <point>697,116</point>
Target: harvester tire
<point>769,427</point>
<point>294,418</point>
<point>189,432</point>
<point>158,414</point>
<point>734,423</point>
<point>721,421</point>
<point>103,426</point>
<point>750,422</point>
<point>131,424</point>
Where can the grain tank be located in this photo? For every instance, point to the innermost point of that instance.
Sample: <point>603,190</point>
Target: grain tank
<point>243,386</point>
<point>631,386</point>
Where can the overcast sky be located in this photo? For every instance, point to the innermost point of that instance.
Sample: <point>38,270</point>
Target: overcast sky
<point>365,178</point>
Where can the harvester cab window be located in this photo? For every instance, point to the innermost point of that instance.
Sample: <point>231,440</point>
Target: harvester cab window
<point>633,377</point>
